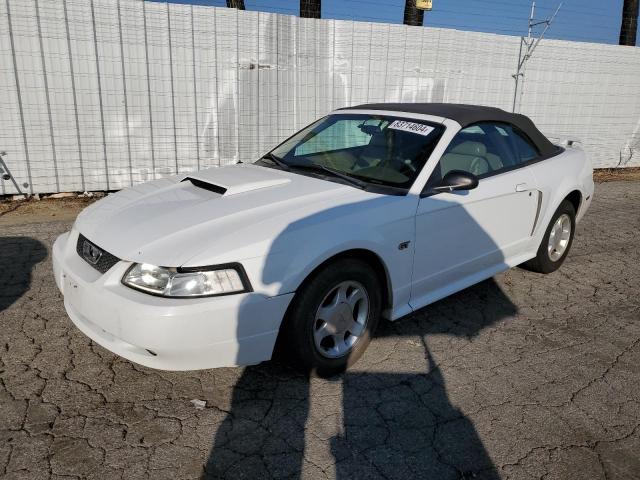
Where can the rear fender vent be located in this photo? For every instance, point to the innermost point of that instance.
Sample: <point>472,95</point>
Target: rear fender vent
<point>206,186</point>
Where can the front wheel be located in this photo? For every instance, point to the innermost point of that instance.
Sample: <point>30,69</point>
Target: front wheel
<point>556,242</point>
<point>333,317</point>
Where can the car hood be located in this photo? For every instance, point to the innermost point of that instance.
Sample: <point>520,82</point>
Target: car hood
<point>237,208</point>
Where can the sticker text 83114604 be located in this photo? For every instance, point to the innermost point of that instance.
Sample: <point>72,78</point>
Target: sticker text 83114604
<point>419,128</point>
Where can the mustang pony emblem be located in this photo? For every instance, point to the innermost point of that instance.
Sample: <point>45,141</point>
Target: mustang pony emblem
<point>91,253</point>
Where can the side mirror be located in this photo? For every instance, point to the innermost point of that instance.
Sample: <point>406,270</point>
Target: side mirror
<point>453,181</point>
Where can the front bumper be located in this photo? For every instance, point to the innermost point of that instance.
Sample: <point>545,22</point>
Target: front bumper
<point>164,333</point>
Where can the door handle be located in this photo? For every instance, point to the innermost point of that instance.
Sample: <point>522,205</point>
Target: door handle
<point>522,187</point>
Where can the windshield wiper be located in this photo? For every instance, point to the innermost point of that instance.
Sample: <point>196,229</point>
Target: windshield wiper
<point>278,161</point>
<point>316,167</point>
<point>321,168</point>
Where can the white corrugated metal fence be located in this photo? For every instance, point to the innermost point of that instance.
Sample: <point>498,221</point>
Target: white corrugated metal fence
<point>101,94</point>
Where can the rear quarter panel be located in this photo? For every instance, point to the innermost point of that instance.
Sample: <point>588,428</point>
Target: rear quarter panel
<point>557,177</point>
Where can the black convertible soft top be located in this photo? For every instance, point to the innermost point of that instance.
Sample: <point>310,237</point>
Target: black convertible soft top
<point>467,115</point>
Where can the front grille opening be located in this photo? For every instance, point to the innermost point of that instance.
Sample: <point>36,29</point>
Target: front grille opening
<point>106,260</point>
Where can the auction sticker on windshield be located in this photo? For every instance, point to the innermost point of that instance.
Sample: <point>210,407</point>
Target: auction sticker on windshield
<point>412,127</point>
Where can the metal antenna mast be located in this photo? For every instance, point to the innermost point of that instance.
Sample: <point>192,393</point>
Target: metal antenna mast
<point>528,45</point>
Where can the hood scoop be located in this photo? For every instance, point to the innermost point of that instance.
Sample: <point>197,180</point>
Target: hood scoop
<point>206,186</point>
<point>235,179</point>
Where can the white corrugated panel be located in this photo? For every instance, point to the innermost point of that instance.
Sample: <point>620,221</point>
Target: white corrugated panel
<point>11,139</point>
<point>60,96</point>
<point>378,61</point>
<point>342,64</point>
<point>248,46</point>
<point>267,102</point>
<point>286,81</point>
<point>30,73</point>
<point>206,54</point>
<point>325,46</point>
<point>138,94</point>
<point>112,84</point>
<point>115,92</point>
<point>306,72</point>
<point>587,92</point>
<point>87,95</point>
<point>360,74</point>
<point>183,87</point>
<point>226,24</point>
<point>161,86</point>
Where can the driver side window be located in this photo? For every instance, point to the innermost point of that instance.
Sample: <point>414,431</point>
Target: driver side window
<point>484,149</point>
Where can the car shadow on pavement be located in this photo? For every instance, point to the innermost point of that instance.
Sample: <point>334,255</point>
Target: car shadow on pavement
<point>394,425</point>
<point>395,418</point>
<point>18,256</point>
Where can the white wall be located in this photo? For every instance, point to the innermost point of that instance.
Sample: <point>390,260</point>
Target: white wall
<point>159,88</point>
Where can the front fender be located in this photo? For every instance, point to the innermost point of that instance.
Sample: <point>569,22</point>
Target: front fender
<point>295,253</point>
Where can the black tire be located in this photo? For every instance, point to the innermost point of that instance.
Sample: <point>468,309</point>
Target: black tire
<point>542,262</point>
<point>297,333</point>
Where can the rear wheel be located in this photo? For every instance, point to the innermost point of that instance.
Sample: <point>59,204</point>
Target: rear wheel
<point>556,242</point>
<point>333,317</point>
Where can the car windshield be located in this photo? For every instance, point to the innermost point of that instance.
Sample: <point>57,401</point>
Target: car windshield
<point>376,149</point>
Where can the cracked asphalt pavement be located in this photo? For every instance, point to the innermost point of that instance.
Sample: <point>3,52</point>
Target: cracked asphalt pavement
<point>522,376</point>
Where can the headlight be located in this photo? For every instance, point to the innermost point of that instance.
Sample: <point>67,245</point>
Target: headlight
<point>187,282</point>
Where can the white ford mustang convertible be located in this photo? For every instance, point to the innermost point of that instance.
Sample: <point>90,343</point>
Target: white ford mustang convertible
<point>372,211</point>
